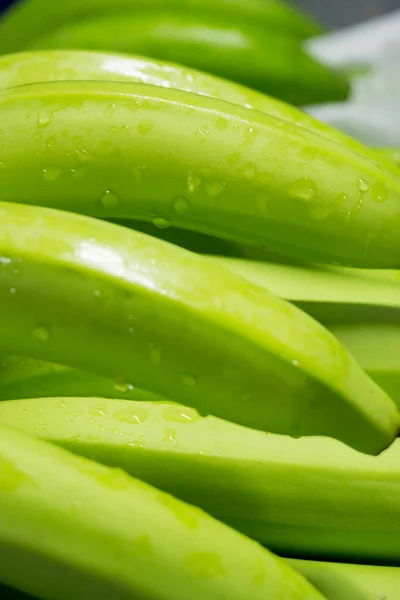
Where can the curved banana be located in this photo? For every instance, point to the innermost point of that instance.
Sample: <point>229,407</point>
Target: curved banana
<point>27,20</point>
<point>99,297</point>
<point>264,59</point>
<point>122,150</point>
<point>70,528</point>
<point>75,65</point>
<point>302,497</point>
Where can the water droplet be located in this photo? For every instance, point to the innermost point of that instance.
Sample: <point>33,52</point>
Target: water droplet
<point>250,136</point>
<point>181,205</point>
<point>250,170</point>
<point>161,223</point>
<point>362,185</point>
<point>305,189</point>
<point>295,363</point>
<point>193,181</point>
<point>213,188</point>
<point>205,565</point>
<point>155,354</point>
<point>109,200</point>
<point>41,332</point>
<point>13,291</point>
<point>98,411</point>
<point>179,414</point>
<point>169,436</point>
<point>221,124</point>
<point>234,158</point>
<point>341,198</point>
<point>63,404</point>
<point>133,415</point>
<point>51,173</point>
<point>379,192</point>
<point>123,387</point>
<point>97,293</point>
<point>131,330</point>
<point>90,421</point>
<point>145,127</point>
<point>78,174</point>
<point>189,380</point>
<point>83,155</point>
<point>138,171</point>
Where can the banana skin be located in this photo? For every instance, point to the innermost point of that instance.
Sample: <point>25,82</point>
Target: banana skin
<point>125,150</point>
<point>98,297</point>
<point>30,19</point>
<point>92,532</point>
<point>251,54</point>
<point>78,65</point>
<point>338,581</point>
<point>304,497</point>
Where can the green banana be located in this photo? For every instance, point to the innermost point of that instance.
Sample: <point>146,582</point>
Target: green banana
<point>359,582</point>
<point>71,528</point>
<point>328,293</point>
<point>376,346</point>
<point>264,59</point>
<point>31,378</point>
<point>306,497</point>
<point>122,150</point>
<point>73,65</point>
<point>28,20</point>
<point>98,297</point>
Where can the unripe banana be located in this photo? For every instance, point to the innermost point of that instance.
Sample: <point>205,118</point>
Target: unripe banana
<point>299,497</point>
<point>32,18</point>
<point>251,54</point>
<point>74,65</point>
<point>122,150</point>
<point>71,528</point>
<point>99,297</point>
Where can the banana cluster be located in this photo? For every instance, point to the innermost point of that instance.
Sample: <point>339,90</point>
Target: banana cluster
<point>258,43</point>
<point>199,317</point>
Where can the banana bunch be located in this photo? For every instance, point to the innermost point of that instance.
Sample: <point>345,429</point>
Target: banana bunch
<point>258,43</point>
<point>181,383</point>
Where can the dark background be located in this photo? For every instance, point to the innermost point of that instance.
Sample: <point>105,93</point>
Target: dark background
<point>334,13</point>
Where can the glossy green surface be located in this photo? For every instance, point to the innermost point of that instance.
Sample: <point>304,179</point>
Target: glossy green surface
<point>31,18</point>
<point>391,153</point>
<point>262,58</point>
<point>305,497</point>
<point>77,65</point>
<point>137,151</point>
<point>91,532</point>
<point>351,582</point>
<point>102,298</point>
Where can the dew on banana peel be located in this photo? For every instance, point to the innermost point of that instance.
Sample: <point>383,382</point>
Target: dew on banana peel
<point>362,185</point>
<point>250,170</point>
<point>304,188</point>
<point>41,332</point>
<point>379,192</point>
<point>249,137</point>
<point>90,421</point>
<point>205,565</point>
<point>213,188</point>
<point>221,123</point>
<point>13,291</point>
<point>145,127</point>
<point>181,205</point>
<point>51,173</point>
<point>77,174</point>
<point>193,181</point>
<point>341,198</point>
<point>123,387</point>
<point>138,170</point>
<point>132,415</point>
<point>161,223</point>
<point>181,415</point>
<point>169,436</point>
<point>109,199</point>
